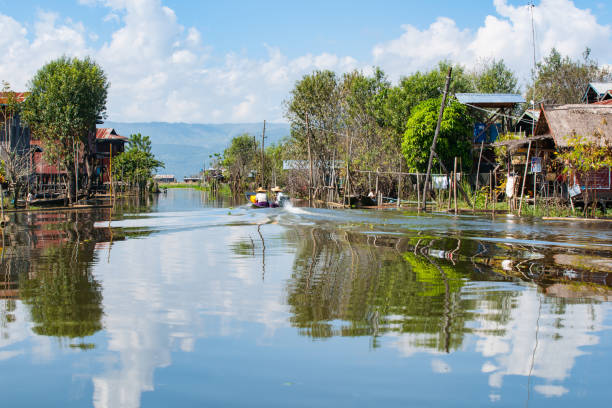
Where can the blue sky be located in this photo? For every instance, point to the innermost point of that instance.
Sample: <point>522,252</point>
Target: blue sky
<point>233,61</point>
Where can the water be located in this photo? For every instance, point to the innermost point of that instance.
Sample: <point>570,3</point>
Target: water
<point>186,301</point>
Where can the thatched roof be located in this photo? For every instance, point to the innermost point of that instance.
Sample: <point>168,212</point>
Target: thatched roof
<point>594,122</point>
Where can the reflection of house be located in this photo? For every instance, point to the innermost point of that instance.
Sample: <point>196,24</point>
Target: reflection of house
<point>597,92</point>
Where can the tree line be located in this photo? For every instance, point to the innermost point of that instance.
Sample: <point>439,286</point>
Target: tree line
<point>356,123</point>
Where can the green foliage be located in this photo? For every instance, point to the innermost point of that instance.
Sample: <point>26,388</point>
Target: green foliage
<point>562,80</point>
<point>493,76</point>
<point>583,155</point>
<point>239,159</point>
<point>137,164</point>
<point>454,139</point>
<point>420,86</point>
<point>67,99</point>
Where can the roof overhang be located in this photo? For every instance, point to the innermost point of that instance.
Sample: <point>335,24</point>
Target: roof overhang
<point>495,100</point>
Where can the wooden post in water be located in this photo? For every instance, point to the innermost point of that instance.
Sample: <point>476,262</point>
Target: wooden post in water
<point>455,184</point>
<point>418,193</point>
<point>346,181</point>
<point>110,170</point>
<point>477,176</point>
<point>524,178</point>
<point>310,161</point>
<point>451,177</point>
<point>399,185</point>
<point>377,183</point>
<point>432,149</point>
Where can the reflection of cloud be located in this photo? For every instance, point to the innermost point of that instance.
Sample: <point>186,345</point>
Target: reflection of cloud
<point>409,344</point>
<point>19,331</point>
<point>560,337</point>
<point>439,366</point>
<point>6,355</point>
<point>165,300</point>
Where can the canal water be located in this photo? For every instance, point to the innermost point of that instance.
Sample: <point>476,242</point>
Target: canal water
<point>188,301</point>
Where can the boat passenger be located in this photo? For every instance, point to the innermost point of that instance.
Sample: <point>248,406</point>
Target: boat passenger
<point>261,196</point>
<point>280,196</point>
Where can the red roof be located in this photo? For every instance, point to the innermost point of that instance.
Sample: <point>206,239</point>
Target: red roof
<point>20,96</point>
<point>109,134</point>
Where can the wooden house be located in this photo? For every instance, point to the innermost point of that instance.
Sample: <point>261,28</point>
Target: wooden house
<point>597,92</point>
<point>594,123</point>
<point>555,127</point>
<point>107,144</point>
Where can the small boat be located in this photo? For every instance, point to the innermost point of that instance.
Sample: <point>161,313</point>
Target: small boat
<point>252,198</point>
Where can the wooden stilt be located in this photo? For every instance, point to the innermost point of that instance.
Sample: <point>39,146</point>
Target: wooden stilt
<point>455,185</point>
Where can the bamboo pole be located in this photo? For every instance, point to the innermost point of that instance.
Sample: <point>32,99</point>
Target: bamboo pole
<point>399,185</point>
<point>310,161</point>
<point>432,149</point>
<point>451,177</point>
<point>418,193</point>
<point>110,170</point>
<point>477,175</point>
<point>524,178</point>
<point>455,184</point>
<point>263,139</point>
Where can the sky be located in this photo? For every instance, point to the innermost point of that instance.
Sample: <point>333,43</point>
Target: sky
<point>237,61</point>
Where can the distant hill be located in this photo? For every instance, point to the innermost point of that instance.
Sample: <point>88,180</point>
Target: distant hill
<point>185,147</point>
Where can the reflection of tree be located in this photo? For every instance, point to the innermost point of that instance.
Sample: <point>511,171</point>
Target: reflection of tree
<point>379,285</point>
<point>64,299</point>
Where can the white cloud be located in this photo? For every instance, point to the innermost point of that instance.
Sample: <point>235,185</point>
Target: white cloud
<point>551,390</point>
<point>162,71</point>
<point>558,23</point>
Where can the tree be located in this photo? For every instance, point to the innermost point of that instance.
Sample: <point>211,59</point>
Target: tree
<point>562,80</point>
<point>137,164</point>
<point>492,76</point>
<point>318,97</point>
<point>67,98</point>
<point>453,141</point>
<point>418,87</point>
<point>240,158</point>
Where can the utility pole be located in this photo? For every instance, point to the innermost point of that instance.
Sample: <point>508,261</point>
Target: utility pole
<point>263,138</point>
<point>432,150</point>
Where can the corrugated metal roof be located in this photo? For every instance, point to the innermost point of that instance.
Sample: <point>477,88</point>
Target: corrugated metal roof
<point>489,99</point>
<point>109,134</point>
<point>601,87</point>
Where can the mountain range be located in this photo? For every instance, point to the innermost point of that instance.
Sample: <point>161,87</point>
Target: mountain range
<point>185,147</point>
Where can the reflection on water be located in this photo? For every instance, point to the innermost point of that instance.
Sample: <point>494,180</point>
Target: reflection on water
<point>186,299</point>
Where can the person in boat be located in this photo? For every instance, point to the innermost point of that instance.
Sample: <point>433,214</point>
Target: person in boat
<point>261,196</point>
<point>280,196</point>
